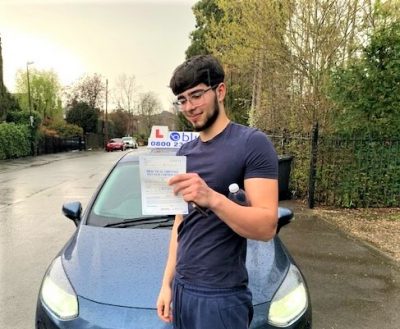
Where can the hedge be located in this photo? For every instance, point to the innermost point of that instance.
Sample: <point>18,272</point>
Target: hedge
<point>14,140</point>
<point>350,171</point>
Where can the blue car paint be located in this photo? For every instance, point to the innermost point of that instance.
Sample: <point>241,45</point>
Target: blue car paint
<point>124,267</point>
<point>117,266</point>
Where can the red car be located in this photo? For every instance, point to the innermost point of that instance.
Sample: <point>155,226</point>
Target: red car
<point>115,144</point>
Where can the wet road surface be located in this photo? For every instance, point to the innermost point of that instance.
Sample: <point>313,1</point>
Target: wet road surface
<point>352,285</point>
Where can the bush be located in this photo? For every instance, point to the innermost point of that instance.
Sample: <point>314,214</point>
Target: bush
<point>350,171</point>
<point>66,130</point>
<point>14,140</point>
<point>22,118</point>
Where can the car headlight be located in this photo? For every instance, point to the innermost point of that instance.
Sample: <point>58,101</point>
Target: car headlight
<point>290,301</point>
<point>57,293</point>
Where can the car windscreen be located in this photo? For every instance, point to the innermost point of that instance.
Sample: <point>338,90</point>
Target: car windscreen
<point>119,197</point>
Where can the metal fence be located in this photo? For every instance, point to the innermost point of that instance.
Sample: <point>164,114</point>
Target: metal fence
<point>342,171</point>
<point>50,144</point>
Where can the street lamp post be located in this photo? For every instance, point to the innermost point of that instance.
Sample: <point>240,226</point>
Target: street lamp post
<point>30,108</point>
<point>106,118</point>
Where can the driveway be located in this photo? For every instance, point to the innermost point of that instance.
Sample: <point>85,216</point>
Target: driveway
<point>352,284</point>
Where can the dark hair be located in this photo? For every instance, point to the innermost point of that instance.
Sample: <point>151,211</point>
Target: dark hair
<point>198,69</point>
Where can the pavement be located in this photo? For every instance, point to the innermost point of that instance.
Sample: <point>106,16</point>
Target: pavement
<point>352,284</point>
<point>32,161</point>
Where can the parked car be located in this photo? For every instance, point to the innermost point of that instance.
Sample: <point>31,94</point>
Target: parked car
<point>130,142</point>
<point>115,144</point>
<point>108,274</point>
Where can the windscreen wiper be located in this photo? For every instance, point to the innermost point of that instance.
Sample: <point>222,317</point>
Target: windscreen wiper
<point>128,222</point>
<point>163,225</point>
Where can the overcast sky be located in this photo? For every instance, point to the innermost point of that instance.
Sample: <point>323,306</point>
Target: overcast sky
<point>146,38</point>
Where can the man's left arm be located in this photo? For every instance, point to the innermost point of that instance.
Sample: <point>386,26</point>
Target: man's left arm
<point>259,220</point>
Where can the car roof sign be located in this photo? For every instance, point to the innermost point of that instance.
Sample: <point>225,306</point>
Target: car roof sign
<point>162,138</point>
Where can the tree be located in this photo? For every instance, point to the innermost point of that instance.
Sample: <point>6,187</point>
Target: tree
<point>45,91</point>
<point>209,14</point>
<point>247,39</point>
<point>8,104</point>
<point>89,89</point>
<point>283,52</point>
<point>124,95</point>
<point>367,91</point>
<point>125,92</point>
<point>320,35</point>
<point>204,11</point>
<point>122,122</point>
<point>7,101</point>
<point>84,116</point>
<point>148,106</point>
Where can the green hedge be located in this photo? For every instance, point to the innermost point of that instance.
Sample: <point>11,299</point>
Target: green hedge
<point>350,171</point>
<point>299,147</point>
<point>14,140</point>
<point>359,172</point>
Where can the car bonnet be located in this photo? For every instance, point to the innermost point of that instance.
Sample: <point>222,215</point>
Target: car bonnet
<point>124,267</point>
<point>117,266</point>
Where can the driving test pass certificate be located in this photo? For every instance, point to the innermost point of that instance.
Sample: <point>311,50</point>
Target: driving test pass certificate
<point>158,197</point>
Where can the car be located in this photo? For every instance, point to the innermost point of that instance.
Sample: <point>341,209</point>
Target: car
<point>108,274</point>
<point>115,144</point>
<point>130,142</point>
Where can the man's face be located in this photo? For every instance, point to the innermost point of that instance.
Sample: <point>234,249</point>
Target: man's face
<point>200,106</point>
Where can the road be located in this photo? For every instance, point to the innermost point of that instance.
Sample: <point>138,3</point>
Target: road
<point>32,227</point>
<point>351,285</point>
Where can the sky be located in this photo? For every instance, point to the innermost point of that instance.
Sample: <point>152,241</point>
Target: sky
<point>144,38</point>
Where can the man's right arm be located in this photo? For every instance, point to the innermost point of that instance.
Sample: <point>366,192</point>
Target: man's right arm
<point>165,296</point>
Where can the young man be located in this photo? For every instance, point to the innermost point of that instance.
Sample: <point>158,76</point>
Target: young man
<point>205,277</point>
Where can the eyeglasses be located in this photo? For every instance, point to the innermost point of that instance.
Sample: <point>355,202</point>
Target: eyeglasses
<point>195,98</point>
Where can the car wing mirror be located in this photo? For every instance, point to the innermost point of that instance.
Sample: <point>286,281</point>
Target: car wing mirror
<point>285,216</point>
<point>73,210</point>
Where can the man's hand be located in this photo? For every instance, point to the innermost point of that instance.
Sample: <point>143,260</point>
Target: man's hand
<point>192,188</point>
<point>164,300</point>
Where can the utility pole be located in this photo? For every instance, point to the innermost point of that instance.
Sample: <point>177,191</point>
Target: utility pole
<point>1,68</point>
<point>106,116</point>
<point>30,108</point>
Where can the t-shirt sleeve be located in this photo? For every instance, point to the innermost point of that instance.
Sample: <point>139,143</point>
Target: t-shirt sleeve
<point>180,150</point>
<point>261,157</point>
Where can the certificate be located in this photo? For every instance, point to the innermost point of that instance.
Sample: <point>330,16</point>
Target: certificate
<point>158,197</point>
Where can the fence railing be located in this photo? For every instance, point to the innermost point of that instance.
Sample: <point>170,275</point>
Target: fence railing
<point>342,171</point>
<point>50,144</point>
<point>89,141</point>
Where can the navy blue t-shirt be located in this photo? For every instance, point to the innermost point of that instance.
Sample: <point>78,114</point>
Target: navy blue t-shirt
<point>210,253</point>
